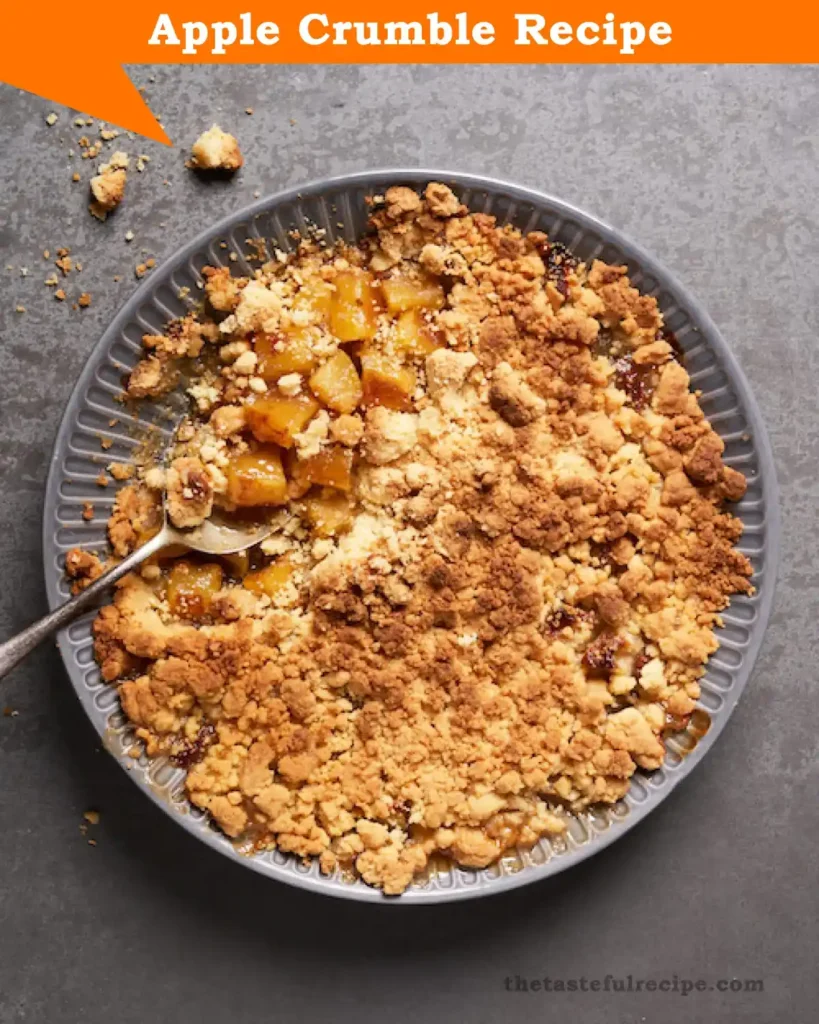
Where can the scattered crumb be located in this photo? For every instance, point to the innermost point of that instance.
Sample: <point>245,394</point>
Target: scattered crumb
<point>46,254</point>
<point>60,294</point>
<point>216,150</point>
<point>129,236</point>
<point>84,300</point>
<point>105,443</point>
<point>51,120</point>
<point>19,309</point>
<point>10,712</point>
<point>248,110</point>
<point>92,817</point>
<point>101,480</point>
<point>75,176</point>
<point>142,269</point>
<point>108,187</point>
<point>87,511</point>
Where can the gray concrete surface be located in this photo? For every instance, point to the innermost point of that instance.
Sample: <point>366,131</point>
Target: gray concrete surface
<point>714,169</point>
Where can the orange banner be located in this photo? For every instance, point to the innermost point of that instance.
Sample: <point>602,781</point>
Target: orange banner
<point>74,54</point>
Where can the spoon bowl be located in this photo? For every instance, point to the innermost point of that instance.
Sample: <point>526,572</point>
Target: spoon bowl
<point>220,534</point>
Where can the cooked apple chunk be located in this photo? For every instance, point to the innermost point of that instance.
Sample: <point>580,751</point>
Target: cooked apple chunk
<point>192,587</point>
<point>316,297</point>
<point>386,381</point>
<point>280,417</point>
<point>329,512</point>
<point>332,467</point>
<point>354,306</point>
<point>337,384</point>
<point>412,335</point>
<point>257,478</point>
<point>290,352</point>
<point>238,564</point>
<point>403,293</point>
<point>271,579</point>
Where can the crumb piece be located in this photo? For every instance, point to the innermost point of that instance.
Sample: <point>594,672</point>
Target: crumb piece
<point>512,399</point>
<point>51,120</point>
<point>60,295</point>
<point>82,566</point>
<point>189,492</point>
<point>84,300</point>
<point>108,187</point>
<point>87,511</point>
<point>19,309</point>
<point>216,150</point>
<point>120,470</point>
<point>290,384</point>
<point>152,377</point>
<point>388,435</point>
<point>442,200</point>
<point>129,236</point>
<point>92,817</point>
<point>347,429</point>
<point>101,480</point>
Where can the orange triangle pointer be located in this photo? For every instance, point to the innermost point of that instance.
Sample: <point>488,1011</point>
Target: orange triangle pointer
<point>64,56</point>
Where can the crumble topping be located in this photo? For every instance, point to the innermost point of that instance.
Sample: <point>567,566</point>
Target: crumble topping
<point>498,555</point>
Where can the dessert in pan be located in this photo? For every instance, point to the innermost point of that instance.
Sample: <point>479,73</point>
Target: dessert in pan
<point>500,544</point>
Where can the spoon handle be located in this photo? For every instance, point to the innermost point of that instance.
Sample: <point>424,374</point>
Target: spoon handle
<point>19,646</point>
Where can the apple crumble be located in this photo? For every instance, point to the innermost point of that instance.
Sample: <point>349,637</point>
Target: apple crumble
<point>499,553</point>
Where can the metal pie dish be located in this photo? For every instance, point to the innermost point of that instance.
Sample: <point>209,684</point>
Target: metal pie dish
<point>338,206</point>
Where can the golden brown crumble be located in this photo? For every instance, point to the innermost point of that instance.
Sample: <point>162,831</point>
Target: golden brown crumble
<point>499,548</point>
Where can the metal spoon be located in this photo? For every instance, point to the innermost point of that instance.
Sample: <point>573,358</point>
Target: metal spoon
<point>216,536</point>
